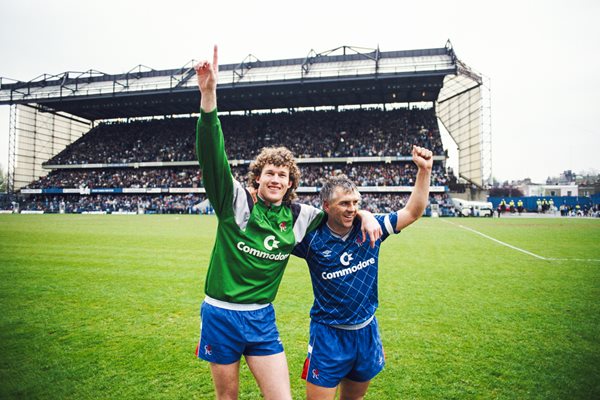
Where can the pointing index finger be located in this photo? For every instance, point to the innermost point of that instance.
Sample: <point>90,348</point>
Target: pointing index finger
<point>216,58</point>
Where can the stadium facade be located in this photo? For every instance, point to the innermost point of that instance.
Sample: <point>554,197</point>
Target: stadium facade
<point>51,112</point>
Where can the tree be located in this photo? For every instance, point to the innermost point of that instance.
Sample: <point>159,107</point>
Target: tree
<point>2,180</point>
<point>506,191</point>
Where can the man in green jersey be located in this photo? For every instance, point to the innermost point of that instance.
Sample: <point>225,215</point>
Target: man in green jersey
<point>253,243</point>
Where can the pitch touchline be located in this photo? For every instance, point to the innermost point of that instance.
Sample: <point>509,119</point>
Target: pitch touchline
<point>517,248</point>
<point>500,242</point>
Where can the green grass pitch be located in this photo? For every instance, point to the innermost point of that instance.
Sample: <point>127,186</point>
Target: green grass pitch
<point>107,307</point>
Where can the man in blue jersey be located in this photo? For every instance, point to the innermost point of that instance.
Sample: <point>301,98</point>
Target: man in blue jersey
<point>344,347</point>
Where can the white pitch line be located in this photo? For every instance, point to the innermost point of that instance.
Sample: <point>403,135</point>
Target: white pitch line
<point>519,249</point>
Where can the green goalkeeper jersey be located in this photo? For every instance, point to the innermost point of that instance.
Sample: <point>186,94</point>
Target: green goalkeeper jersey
<point>254,240</point>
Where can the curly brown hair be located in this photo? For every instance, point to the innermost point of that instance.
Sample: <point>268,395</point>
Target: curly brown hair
<point>280,157</point>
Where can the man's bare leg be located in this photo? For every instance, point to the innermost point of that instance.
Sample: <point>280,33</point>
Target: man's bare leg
<point>272,375</point>
<point>351,390</point>
<point>226,378</point>
<point>315,392</point>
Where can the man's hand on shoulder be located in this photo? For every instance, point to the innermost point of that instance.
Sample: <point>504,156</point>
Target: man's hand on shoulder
<point>369,227</point>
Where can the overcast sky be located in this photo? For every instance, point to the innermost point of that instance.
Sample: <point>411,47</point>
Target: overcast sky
<point>541,56</point>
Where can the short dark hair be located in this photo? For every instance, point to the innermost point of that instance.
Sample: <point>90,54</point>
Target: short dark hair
<point>332,183</point>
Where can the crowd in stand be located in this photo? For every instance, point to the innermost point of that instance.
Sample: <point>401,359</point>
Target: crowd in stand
<point>376,203</point>
<point>121,178</point>
<point>309,134</point>
<point>393,174</point>
<point>162,204</point>
<point>192,203</point>
<point>170,139</point>
<point>396,174</point>
<point>351,133</point>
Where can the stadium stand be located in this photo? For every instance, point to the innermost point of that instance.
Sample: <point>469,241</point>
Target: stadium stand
<point>113,203</point>
<point>140,124</point>
<point>398,174</point>
<point>351,133</point>
<point>152,158</point>
<point>388,202</point>
<point>136,141</point>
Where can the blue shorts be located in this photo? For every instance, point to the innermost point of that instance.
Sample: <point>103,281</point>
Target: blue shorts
<point>335,354</point>
<point>226,335</point>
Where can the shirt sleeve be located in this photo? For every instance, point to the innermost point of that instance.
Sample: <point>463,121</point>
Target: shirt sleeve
<point>388,224</point>
<point>216,173</point>
<point>308,220</point>
<point>301,249</point>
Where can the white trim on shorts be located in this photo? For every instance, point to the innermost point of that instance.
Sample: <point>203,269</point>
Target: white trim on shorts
<point>234,306</point>
<point>355,327</point>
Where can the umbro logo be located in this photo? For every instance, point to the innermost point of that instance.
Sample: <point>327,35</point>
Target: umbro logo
<point>326,253</point>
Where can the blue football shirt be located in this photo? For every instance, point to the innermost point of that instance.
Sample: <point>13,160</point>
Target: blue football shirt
<point>344,272</point>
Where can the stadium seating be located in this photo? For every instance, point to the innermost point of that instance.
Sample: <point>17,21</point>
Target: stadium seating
<point>160,204</point>
<point>371,146</point>
<point>351,133</point>
<point>397,174</point>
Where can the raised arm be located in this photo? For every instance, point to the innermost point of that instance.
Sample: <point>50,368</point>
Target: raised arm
<point>419,197</point>
<point>207,74</point>
<point>210,145</point>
